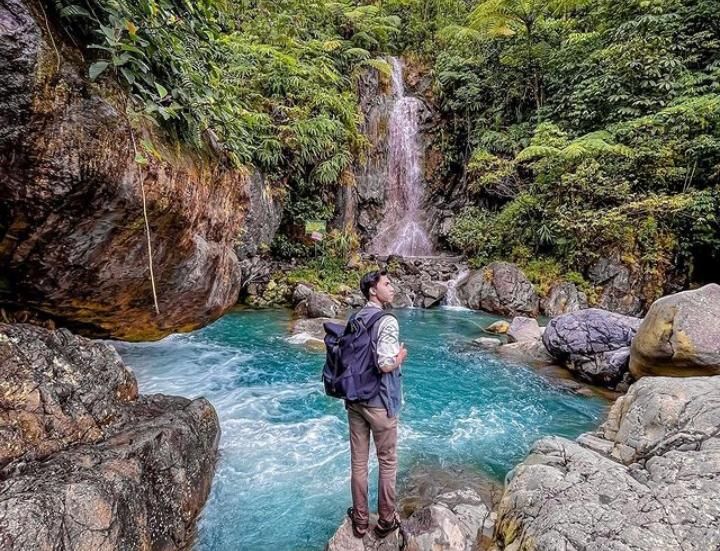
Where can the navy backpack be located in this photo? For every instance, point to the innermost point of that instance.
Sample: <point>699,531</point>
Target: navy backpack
<point>351,370</point>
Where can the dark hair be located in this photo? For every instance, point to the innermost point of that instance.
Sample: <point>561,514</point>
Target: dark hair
<point>369,280</point>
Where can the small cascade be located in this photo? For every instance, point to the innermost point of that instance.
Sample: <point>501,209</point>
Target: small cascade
<point>403,228</point>
<point>451,298</point>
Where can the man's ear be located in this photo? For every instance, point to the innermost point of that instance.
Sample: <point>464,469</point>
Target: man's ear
<point>373,292</point>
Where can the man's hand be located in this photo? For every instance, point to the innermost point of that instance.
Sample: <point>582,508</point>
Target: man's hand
<point>400,358</point>
<point>397,361</point>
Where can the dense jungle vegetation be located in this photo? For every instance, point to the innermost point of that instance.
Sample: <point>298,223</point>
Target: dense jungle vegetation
<point>579,128</point>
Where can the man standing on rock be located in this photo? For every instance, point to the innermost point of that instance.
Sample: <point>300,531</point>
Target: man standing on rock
<point>378,415</point>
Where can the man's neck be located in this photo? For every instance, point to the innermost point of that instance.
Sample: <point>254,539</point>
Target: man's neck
<point>376,301</point>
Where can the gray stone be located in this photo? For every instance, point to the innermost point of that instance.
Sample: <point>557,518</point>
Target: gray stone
<point>523,329</point>
<point>605,368</point>
<point>563,298</point>
<point>87,464</point>
<point>433,293</point>
<point>313,327</point>
<point>318,305</point>
<point>680,335</point>
<point>301,292</point>
<point>499,288</point>
<point>621,287</point>
<point>344,539</point>
<point>433,290</point>
<point>657,490</point>
<point>402,298</point>
<point>355,300</point>
<point>263,215</point>
<point>454,521</point>
<point>487,342</point>
<point>527,351</point>
<point>592,343</point>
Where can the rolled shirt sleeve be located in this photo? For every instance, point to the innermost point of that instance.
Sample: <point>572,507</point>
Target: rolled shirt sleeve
<point>388,342</point>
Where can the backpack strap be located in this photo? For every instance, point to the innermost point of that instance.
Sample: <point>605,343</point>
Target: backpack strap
<point>370,322</point>
<point>376,317</point>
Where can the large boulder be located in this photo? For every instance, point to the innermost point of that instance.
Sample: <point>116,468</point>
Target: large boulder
<point>680,335</point>
<point>523,329</point>
<point>592,343</point>
<point>87,464</point>
<point>621,288</point>
<point>563,298</point>
<point>499,288</point>
<point>73,241</point>
<point>647,480</point>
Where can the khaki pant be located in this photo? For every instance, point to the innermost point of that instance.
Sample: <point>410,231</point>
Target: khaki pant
<point>362,421</point>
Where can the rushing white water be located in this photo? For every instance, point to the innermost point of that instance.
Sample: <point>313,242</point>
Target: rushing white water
<point>451,298</point>
<point>403,228</point>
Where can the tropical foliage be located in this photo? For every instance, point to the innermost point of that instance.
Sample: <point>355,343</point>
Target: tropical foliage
<point>587,129</point>
<point>578,128</point>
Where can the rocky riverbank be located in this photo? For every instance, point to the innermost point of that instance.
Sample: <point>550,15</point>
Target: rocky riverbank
<point>500,288</point>
<point>87,463</point>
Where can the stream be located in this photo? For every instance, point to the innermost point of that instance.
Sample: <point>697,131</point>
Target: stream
<point>282,479</point>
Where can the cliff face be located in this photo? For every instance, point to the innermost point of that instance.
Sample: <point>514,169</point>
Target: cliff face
<point>72,234</point>
<point>86,463</point>
<point>362,205</point>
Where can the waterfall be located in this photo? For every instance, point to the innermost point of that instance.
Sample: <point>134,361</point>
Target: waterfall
<point>451,298</point>
<point>403,229</point>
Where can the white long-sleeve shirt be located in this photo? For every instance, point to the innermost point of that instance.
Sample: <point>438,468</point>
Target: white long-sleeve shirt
<point>388,340</point>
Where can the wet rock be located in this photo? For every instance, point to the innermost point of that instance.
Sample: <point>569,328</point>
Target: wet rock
<point>592,343</point>
<point>253,271</point>
<point>433,293</point>
<point>263,216</point>
<point>84,462</point>
<point>402,299</point>
<point>523,329</point>
<point>647,480</point>
<point>562,299</point>
<point>621,288</point>
<point>487,342</point>
<point>72,232</point>
<point>318,305</point>
<point>499,288</point>
<point>526,351</point>
<point>500,327</point>
<point>301,292</point>
<point>313,327</point>
<point>680,335</point>
<point>361,205</point>
<point>355,300</point>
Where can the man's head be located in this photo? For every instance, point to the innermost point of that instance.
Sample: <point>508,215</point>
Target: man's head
<point>376,285</point>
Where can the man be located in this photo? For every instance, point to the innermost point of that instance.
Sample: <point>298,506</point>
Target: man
<point>377,415</point>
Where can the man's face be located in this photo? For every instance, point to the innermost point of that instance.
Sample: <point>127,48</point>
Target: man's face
<point>384,290</point>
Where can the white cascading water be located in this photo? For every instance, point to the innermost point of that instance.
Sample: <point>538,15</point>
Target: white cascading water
<point>451,298</point>
<point>402,230</point>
